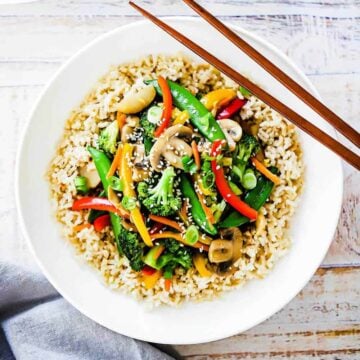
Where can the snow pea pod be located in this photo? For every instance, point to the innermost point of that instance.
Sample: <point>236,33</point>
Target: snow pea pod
<point>200,116</point>
<point>197,210</point>
<point>256,198</point>
<point>103,164</point>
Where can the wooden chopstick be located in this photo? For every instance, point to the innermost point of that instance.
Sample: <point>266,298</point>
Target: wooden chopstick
<point>282,77</point>
<point>281,108</point>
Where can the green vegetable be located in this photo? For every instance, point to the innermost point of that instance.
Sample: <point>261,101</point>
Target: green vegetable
<point>81,185</point>
<point>115,183</point>
<point>189,164</point>
<point>197,211</point>
<point>200,117</point>
<point>174,255</point>
<point>149,258</point>
<point>103,164</point>
<point>148,130</point>
<point>129,203</point>
<point>247,147</point>
<point>208,179</point>
<point>218,210</point>
<point>256,198</point>
<point>249,180</point>
<point>162,199</point>
<point>154,114</point>
<point>244,92</point>
<point>236,190</point>
<point>108,138</point>
<point>192,235</point>
<point>132,247</point>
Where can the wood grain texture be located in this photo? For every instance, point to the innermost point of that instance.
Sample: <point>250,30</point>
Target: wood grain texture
<point>322,37</point>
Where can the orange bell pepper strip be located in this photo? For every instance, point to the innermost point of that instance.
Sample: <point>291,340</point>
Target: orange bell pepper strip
<point>178,237</point>
<point>220,96</point>
<point>265,171</point>
<point>135,214</point>
<point>167,101</point>
<point>164,220</point>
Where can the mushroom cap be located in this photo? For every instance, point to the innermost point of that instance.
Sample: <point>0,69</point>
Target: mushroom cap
<point>171,138</point>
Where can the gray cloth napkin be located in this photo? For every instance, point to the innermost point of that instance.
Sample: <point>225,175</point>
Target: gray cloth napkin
<point>37,323</point>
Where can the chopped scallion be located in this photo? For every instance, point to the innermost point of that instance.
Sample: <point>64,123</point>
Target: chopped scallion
<point>192,235</point>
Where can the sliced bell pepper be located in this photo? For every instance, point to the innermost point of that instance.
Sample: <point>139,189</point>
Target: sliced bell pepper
<point>151,280</point>
<point>96,203</point>
<point>147,270</point>
<point>224,188</point>
<point>265,171</point>
<point>101,222</point>
<point>167,100</point>
<point>234,107</point>
<point>126,174</point>
<point>200,265</point>
<point>212,99</point>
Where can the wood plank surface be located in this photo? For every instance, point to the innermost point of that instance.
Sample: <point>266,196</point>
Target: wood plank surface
<point>322,37</point>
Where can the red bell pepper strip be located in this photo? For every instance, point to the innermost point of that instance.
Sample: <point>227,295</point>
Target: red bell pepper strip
<point>156,228</point>
<point>231,109</point>
<point>97,203</point>
<point>167,100</point>
<point>101,222</point>
<point>224,188</point>
<point>147,270</point>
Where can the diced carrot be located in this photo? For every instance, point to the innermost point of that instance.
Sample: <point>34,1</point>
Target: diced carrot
<point>121,119</point>
<point>82,226</point>
<point>265,171</point>
<point>115,163</point>
<point>178,237</point>
<point>168,284</point>
<point>196,154</point>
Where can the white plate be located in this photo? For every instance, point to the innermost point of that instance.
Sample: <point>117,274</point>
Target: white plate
<point>312,229</point>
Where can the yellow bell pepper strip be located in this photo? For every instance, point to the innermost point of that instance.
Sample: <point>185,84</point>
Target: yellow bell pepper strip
<point>213,99</point>
<point>164,220</point>
<point>126,174</point>
<point>182,117</point>
<point>178,237</point>
<point>265,171</point>
<point>200,265</point>
<point>151,280</point>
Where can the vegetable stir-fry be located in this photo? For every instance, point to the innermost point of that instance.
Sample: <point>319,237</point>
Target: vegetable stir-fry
<point>176,178</point>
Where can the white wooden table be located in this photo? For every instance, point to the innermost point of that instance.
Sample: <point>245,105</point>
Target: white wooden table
<point>322,37</point>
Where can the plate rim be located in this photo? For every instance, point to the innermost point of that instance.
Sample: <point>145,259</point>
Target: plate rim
<point>27,125</point>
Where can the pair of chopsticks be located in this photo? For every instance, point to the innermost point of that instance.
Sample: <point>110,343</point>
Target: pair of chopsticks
<point>332,144</point>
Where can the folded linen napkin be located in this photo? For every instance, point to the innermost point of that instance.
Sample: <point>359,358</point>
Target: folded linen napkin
<point>37,323</point>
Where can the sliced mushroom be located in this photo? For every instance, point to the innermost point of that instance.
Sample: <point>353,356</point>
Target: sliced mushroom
<point>89,171</point>
<point>135,101</point>
<point>171,146</point>
<point>220,251</point>
<point>232,131</point>
<point>175,150</point>
<point>139,173</point>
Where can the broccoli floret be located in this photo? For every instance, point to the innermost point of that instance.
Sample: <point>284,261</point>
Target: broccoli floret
<point>161,199</point>
<point>248,147</point>
<point>108,138</point>
<point>132,247</point>
<point>175,255</point>
<point>147,126</point>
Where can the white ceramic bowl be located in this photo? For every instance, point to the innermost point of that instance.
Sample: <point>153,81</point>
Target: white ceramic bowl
<point>312,228</point>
